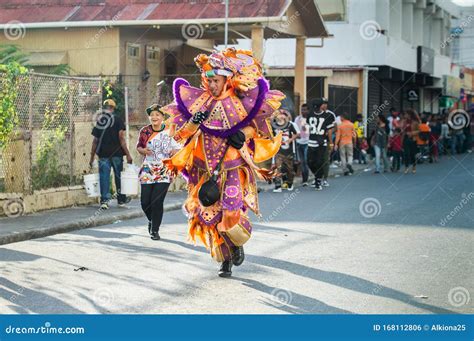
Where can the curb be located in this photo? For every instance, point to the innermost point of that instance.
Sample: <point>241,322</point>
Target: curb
<point>74,226</point>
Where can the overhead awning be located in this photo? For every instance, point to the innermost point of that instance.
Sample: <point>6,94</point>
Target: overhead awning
<point>47,58</point>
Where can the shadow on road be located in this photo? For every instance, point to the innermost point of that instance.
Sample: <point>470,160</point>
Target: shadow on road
<point>342,280</point>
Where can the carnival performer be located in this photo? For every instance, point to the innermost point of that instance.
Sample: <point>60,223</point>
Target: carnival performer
<point>225,127</point>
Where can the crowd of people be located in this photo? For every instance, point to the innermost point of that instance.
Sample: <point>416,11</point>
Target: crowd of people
<point>218,135</point>
<point>318,139</point>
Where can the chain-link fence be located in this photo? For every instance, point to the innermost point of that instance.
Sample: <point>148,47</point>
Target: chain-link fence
<point>50,143</point>
<point>144,92</point>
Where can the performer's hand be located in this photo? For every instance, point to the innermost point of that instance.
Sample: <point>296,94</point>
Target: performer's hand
<point>200,117</point>
<point>236,140</point>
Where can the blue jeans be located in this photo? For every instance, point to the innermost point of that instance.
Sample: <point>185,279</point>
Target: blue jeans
<point>105,164</point>
<point>381,153</point>
<point>302,150</point>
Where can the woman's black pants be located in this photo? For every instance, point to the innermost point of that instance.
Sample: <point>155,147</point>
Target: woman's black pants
<point>152,199</point>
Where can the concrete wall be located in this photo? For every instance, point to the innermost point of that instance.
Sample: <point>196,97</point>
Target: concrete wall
<point>90,51</point>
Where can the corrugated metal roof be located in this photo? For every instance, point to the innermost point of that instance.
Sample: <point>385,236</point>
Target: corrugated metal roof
<point>92,10</point>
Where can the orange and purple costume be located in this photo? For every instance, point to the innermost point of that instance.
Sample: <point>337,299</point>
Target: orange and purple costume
<point>245,104</point>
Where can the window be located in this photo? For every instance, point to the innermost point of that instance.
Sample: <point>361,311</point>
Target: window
<point>333,10</point>
<point>133,50</point>
<point>152,53</point>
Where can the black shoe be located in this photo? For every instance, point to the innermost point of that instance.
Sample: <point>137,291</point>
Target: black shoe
<point>226,269</point>
<point>351,170</point>
<point>238,255</point>
<point>149,228</point>
<point>155,235</point>
<point>318,185</point>
<point>124,202</point>
<point>346,173</point>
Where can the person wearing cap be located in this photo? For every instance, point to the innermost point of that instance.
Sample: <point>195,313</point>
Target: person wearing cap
<point>110,145</point>
<point>155,144</point>
<point>284,159</point>
<point>321,124</point>
<point>226,128</point>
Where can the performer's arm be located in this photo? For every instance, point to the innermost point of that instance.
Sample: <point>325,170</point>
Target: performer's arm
<point>190,127</point>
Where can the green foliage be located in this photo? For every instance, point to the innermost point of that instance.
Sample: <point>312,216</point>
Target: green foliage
<point>61,70</point>
<point>12,53</point>
<point>46,172</point>
<point>115,91</point>
<point>10,78</point>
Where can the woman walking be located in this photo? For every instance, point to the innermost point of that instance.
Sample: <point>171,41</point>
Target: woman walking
<point>410,124</point>
<point>155,144</point>
<point>380,143</point>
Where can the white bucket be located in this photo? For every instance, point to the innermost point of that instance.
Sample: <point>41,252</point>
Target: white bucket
<point>91,183</point>
<point>129,181</point>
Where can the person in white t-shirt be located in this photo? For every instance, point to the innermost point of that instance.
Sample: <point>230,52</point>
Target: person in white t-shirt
<point>155,144</point>
<point>302,142</point>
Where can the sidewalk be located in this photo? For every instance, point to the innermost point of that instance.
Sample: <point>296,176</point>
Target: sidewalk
<point>47,223</point>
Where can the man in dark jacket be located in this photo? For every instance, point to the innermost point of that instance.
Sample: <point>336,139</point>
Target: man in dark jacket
<point>110,146</point>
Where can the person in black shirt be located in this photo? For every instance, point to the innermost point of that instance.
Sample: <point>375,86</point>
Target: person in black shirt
<point>285,156</point>
<point>321,123</point>
<point>110,146</point>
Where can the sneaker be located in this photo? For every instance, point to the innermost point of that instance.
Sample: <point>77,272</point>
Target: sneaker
<point>155,236</point>
<point>290,187</point>
<point>325,183</point>
<point>313,184</point>
<point>351,170</point>
<point>304,184</point>
<point>104,206</point>
<point>346,173</point>
<point>318,186</point>
<point>126,201</point>
<point>226,269</point>
<point>277,190</point>
<point>284,185</point>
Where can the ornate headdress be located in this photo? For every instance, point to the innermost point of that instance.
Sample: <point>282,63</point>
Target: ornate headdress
<point>239,66</point>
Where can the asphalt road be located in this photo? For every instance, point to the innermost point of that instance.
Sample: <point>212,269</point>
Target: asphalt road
<point>369,244</point>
